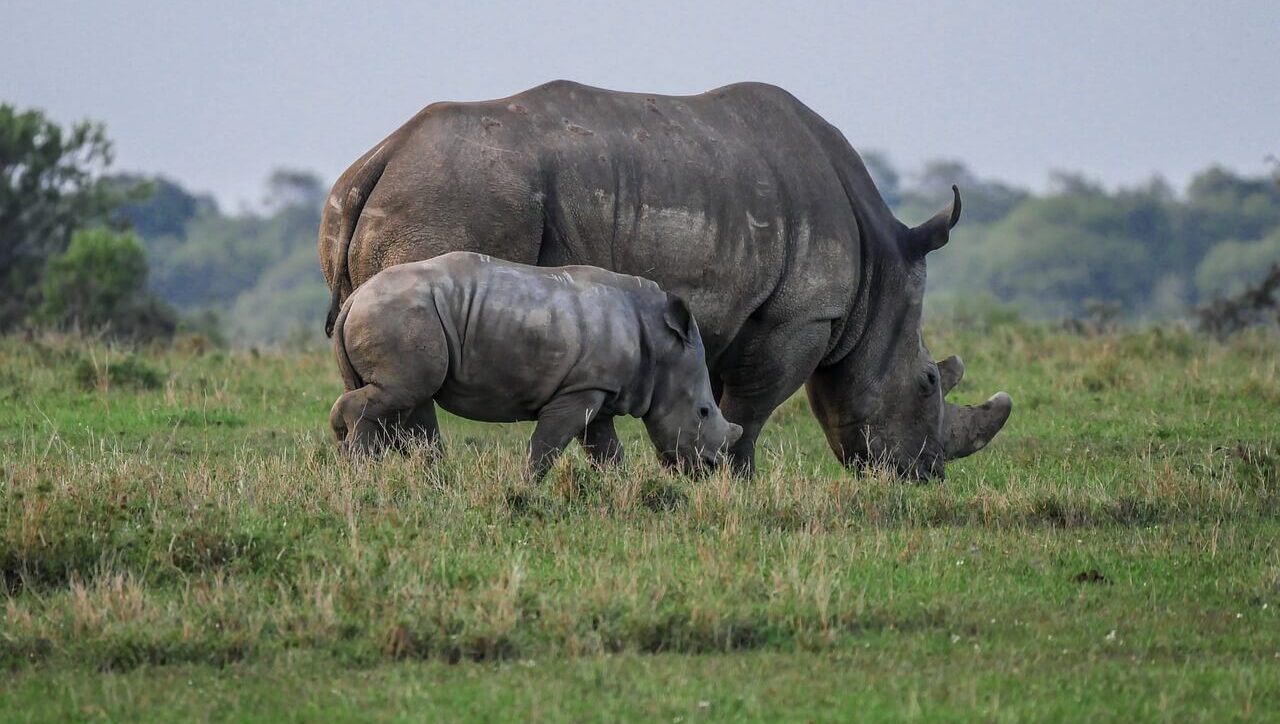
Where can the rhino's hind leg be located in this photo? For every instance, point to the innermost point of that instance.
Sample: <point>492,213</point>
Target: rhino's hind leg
<point>407,357</point>
<point>420,427</point>
<point>365,420</point>
<point>600,440</point>
<point>559,422</point>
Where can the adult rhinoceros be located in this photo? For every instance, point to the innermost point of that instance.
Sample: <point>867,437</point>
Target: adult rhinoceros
<point>742,200</point>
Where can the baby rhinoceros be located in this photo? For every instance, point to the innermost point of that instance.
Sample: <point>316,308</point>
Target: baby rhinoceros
<point>496,341</point>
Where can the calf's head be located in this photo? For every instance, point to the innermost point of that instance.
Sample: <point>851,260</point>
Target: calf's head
<point>683,420</point>
<point>884,403</point>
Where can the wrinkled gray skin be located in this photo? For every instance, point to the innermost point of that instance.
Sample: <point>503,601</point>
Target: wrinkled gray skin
<point>741,200</point>
<point>496,341</point>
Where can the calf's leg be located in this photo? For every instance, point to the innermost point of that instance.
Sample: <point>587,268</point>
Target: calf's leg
<point>363,420</point>
<point>562,419</point>
<point>600,440</point>
<point>405,353</point>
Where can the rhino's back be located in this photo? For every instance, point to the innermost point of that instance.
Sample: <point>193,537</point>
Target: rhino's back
<point>741,199</point>
<point>515,335</point>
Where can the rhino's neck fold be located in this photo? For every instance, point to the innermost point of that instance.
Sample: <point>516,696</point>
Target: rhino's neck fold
<point>880,304</point>
<point>880,266</point>
<point>635,397</point>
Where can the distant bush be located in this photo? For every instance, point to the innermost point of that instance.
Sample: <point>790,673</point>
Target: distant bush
<point>1257,305</point>
<point>977,311</point>
<point>1231,266</point>
<point>1097,317</point>
<point>99,283</point>
<point>131,372</point>
<point>207,325</point>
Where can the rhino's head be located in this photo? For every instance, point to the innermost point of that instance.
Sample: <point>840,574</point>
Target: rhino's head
<point>883,404</point>
<point>683,420</point>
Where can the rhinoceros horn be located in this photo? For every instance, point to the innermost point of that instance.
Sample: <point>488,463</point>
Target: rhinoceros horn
<point>934,233</point>
<point>950,371</point>
<point>966,430</point>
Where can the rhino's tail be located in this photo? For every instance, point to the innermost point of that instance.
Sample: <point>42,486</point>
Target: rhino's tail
<point>341,215</point>
<point>350,378</point>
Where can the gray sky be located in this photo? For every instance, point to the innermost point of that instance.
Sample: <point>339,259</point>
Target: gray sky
<point>216,94</point>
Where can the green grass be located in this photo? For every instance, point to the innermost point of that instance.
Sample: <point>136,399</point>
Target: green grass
<point>178,539</point>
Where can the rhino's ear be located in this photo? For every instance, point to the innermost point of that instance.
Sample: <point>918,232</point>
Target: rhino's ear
<point>679,318</point>
<point>934,233</point>
<point>950,372</point>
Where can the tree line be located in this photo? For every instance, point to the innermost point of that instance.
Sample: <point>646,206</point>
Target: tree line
<point>1151,251</point>
<point>141,256</point>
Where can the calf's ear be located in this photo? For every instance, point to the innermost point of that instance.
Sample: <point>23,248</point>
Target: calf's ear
<point>679,318</point>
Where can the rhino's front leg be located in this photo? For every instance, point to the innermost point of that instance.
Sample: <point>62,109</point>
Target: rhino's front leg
<point>562,419</point>
<point>601,442</point>
<point>766,373</point>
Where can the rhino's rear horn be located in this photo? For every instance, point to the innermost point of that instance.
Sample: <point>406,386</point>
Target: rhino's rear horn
<point>934,233</point>
<point>966,430</point>
<point>951,371</point>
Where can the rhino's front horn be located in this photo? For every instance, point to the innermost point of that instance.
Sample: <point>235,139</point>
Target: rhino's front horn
<point>966,430</point>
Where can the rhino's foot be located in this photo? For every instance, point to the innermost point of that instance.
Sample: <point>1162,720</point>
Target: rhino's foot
<point>418,429</point>
<point>743,467</point>
<point>600,440</point>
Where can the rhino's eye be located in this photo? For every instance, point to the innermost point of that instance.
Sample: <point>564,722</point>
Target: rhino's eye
<point>929,383</point>
<point>704,412</point>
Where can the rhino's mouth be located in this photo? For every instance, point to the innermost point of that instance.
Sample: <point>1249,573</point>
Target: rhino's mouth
<point>704,463</point>
<point>920,469</point>
<point>861,448</point>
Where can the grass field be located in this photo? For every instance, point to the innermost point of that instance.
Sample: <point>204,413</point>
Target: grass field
<point>178,540</point>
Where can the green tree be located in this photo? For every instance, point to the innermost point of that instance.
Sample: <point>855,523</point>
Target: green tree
<point>50,185</point>
<point>294,292</point>
<point>1053,254</point>
<point>220,257</point>
<point>100,282</point>
<point>1222,205</point>
<point>985,201</point>
<point>165,210</point>
<point>1231,266</point>
<point>290,188</point>
<point>1054,269</point>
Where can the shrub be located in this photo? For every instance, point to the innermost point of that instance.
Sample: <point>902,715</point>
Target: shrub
<point>128,372</point>
<point>100,283</point>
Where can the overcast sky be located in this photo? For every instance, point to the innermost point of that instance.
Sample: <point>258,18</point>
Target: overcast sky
<point>216,94</point>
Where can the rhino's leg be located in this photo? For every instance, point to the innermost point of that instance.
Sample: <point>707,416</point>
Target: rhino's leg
<point>766,371</point>
<point>419,425</point>
<point>562,419</point>
<point>364,419</point>
<point>600,440</point>
<point>407,355</point>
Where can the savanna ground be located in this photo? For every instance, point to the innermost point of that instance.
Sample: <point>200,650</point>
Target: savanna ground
<point>178,540</point>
